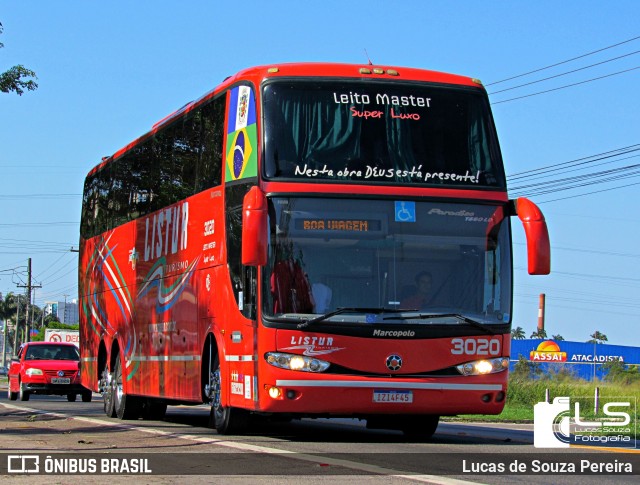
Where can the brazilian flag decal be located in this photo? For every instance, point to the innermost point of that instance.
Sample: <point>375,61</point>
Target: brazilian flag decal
<point>242,135</point>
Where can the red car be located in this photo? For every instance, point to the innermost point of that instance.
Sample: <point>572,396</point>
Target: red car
<point>46,368</point>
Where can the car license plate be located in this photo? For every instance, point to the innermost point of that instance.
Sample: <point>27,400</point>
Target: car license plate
<point>60,380</point>
<point>393,396</point>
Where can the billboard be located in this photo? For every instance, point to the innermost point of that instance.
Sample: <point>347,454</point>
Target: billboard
<point>584,360</point>
<point>55,335</point>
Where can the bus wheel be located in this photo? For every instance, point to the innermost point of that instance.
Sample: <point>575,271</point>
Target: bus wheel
<point>86,396</point>
<point>12,395</point>
<point>126,407</point>
<point>71,397</point>
<point>421,428</point>
<point>226,420</point>
<point>107,386</point>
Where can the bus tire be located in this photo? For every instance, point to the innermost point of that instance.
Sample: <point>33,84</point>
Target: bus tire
<point>126,407</point>
<point>108,393</point>
<point>421,428</point>
<point>226,420</point>
<point>87,396</point>
<point>71,397</point>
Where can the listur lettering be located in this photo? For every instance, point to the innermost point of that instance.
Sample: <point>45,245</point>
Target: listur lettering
<point>320,341</point>
<point>171,221</point>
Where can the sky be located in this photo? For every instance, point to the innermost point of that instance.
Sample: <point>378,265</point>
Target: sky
<point>107,71</point>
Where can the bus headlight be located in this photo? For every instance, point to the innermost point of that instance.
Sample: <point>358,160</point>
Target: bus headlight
<point>482,367</point>
<point>31,371</point>
<point>295,362</point>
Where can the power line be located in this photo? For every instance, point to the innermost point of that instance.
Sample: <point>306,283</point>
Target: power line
<point>580,180</point>
<point>564,73</point>
<point>610,279</point>
<point>39,196</point>
<point>591,251</point>
<point>35,224</point>
<point>567,183</point>
<point>588,193</point>
<point>607,154</point>
<point>543,175</point>
<point>566,86</point>
<point>563,62</point>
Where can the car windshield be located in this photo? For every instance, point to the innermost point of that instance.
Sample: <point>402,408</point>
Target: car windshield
<point>387,261</point>
<point>380,133</point>
<point>52,352</point>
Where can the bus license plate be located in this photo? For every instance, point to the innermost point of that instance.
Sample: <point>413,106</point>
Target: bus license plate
<point>60,380</point>
<point>393,396</point>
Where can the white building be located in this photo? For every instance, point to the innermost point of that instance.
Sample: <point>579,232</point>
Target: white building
<point>67,312</point>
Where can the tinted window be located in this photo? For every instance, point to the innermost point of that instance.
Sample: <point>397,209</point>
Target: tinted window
<point>400,133</point>
<point>178,161</point>
<point>52,352</point>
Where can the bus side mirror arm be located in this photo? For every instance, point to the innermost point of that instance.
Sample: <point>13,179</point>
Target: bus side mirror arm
<point>537,234</point>
<point>254,228</point>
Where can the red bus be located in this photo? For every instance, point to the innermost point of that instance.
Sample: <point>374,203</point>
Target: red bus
<point>306,240</point>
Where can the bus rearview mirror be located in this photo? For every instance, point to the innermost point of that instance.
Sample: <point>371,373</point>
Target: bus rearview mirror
<point>537,234</point>
<point>254,228</point>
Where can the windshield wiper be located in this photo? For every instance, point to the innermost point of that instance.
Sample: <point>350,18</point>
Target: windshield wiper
<point>461,318</point>
<point>339,311</point>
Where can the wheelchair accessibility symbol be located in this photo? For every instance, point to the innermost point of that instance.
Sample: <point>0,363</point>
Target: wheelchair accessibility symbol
<point>405,211</point>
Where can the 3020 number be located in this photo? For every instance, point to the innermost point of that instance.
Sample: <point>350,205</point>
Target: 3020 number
<point>472,346</point>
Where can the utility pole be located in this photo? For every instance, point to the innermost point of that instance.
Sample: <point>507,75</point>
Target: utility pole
<point>29,287</point>
<point>15,332</point>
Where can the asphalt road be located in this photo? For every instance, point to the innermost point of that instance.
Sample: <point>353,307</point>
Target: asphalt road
<point>183,450</point>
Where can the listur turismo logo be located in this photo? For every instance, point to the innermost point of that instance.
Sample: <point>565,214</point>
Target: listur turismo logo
<point>597,422</point>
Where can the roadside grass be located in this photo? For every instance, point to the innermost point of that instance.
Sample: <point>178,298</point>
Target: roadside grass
<point>524,393</point>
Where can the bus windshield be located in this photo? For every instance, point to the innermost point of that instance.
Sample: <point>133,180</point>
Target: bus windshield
<point>408,257</point>
<point>400,133</point>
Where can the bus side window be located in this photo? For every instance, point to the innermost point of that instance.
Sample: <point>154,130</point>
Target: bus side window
<point>209,168</point>
<point>243,279</point>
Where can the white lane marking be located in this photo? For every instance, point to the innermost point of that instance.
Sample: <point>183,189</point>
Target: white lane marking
<point>364,467</point>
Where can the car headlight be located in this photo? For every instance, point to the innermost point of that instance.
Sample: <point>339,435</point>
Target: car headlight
<point>295,362</point>
<point>482,367</point>
<point>33,372</point>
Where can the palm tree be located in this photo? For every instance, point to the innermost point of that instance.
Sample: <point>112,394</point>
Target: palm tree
<point>517,333</point>
<point>557,337</point>
<point>597,337</point>
<point>539,333</point>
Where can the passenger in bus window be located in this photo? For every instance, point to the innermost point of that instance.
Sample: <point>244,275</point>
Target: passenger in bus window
<point>321,296</point>
<point>422,294</point>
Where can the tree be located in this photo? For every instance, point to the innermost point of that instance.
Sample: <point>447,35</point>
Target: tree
<point>621,373</point>
<point>539,333</point>
<point>557,337</point>
<point>597,337</point>
<point>524,369</point>
<point>517,333</point>
<point>16,79</point>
